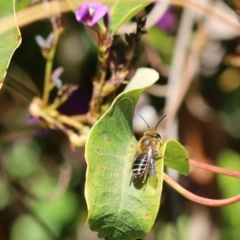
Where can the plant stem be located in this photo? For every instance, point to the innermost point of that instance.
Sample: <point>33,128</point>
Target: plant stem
<point>100,77</point>
<point>215,169</point>
<point>102,58</point>
<point>49,66</point>
<point>70,122</point>
<point>85,118</point>
<point>10,134</point>
<point>198,199</point>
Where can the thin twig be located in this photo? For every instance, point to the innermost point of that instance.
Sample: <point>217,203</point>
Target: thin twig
<point>207,9</point>
<point>182,79</point>
<point>70,122</point>
<point>14,131</point>
<point>49,66</point>
<point>19,87</point>
<point>87,118</point>
<point>176,83</point>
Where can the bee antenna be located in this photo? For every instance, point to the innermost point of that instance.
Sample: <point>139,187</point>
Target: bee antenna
<point>144,121</point>
<point>160,121</point>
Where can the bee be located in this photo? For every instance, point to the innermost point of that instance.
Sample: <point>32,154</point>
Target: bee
<point>147,149</point>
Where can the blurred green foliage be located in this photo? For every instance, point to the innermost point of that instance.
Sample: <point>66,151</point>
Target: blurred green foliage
<point>229,187</point>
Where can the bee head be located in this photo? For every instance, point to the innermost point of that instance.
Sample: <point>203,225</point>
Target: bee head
<point>157,136</point>
<point>153,134</point>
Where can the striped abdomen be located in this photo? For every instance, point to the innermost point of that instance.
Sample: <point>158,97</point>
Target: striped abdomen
<point>140,165</point>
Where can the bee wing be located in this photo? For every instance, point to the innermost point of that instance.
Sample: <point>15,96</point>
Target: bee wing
<point>151,161</point>
<point>152,167</point>
<point>134,159</point>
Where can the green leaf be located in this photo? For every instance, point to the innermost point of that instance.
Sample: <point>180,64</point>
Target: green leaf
<point>176,157</point>
<point>120,11</point>
<point>19,167</point>
<point>123,11</point>
<point>9,40</point>
<point>118,209</point>
<point>165,49</point>
<point>21,4</point>
<point>26,227</point>
<point>55,214</point>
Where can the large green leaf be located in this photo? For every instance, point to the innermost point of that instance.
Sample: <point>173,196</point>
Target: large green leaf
<point>119,209</point>
<point>10,39</point>
<point>121,11</point>
<point>176,157</point>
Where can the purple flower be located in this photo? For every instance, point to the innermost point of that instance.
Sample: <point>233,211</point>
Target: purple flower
<point>167,21</point>
<point>89,13</point>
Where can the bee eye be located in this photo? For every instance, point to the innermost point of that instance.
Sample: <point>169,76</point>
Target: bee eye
<point>157,135</point>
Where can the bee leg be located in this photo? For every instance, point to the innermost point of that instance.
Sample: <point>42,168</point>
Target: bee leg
<point>160,154</point>
<point>144,179</point>
<point>145,175</point>
<point>131,181</point>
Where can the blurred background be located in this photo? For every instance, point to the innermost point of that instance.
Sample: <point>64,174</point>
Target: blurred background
<point>195,48</point>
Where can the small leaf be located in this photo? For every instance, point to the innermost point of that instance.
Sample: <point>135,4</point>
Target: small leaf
<point>9,40</point>
<point>118,209</point>
<point>176,157</point>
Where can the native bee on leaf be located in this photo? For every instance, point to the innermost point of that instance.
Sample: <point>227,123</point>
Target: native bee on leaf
<point>147,151</point>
